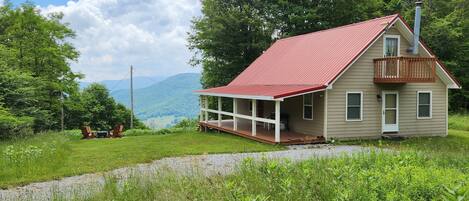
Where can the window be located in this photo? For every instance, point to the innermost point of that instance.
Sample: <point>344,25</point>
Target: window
<point>308,106</point>
<point>354,102</point>
<point>424,104</point>
<point>391,45</point>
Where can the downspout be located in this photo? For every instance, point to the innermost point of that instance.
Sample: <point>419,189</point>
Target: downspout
<point>415,48</point>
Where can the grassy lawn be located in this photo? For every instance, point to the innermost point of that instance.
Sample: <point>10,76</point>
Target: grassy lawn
<point>53,155</point>
<point>427,168</point>
<point>423,169</point>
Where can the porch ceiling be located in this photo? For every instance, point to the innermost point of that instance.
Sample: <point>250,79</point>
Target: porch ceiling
<point>260,92</point>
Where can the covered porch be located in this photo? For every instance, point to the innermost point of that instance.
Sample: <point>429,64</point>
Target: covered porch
<point>263,134</point>
<point>292,118</point>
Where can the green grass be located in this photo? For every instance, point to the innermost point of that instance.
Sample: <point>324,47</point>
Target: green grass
<point>458,122</point>
<point>427,168</point>
<point>53,155</point>
<point>405,175</point>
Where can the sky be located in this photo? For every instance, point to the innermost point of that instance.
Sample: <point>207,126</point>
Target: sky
<point>114,34</point>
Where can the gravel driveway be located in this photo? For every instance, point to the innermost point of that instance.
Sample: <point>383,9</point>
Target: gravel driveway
<point>206,164</point>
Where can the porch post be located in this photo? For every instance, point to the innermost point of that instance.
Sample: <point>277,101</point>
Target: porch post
<point>277,121</point>
<point>206,107</point>
<point>235,112</point>
<point>254,111</point>
<point>201,104</point>
<point>219,110</point>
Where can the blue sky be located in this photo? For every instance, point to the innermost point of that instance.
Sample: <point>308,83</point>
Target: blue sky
<point>111,35</point>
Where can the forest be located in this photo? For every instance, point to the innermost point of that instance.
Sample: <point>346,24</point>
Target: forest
<point>36,80</point>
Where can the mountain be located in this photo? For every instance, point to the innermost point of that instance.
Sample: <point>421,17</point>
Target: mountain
<point>115,85</point>
<point>164,103</point>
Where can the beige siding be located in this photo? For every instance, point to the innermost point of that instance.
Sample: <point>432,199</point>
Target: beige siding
<point>359,77</point>
<point>294,108</point>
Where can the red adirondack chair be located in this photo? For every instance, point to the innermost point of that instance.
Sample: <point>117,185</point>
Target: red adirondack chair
<point>117,131</point>
<point>87,133</point>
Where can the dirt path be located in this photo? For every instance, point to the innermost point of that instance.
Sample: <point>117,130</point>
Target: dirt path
<point>206,164</point>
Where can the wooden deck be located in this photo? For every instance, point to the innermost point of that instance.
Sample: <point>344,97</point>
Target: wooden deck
<point>404,70</point>
<point>263,134</point>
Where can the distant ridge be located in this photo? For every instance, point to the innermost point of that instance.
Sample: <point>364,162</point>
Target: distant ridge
<point>169,100</point>
<point>139,82</point>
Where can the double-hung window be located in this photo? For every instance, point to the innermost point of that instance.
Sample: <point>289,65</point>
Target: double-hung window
<point>391,45</point>
<point>424,104</point>
<point>354,107</point>
<point>308,106</point>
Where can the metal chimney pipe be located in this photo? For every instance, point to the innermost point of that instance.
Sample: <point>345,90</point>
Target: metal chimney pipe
<point>415,48</point>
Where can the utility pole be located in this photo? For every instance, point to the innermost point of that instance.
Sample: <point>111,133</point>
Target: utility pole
<point>62,112</point>
<point>131,97</point>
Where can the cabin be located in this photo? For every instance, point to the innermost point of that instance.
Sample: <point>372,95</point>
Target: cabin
<point>365,80</point>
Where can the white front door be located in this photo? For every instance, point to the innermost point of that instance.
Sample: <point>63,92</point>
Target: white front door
<point>390,112</point>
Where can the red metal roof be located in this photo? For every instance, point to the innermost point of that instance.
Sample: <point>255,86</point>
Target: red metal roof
<point>266,91</point>
<point>313,58</point>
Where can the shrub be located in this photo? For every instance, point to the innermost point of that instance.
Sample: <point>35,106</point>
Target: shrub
<point>139,132</point>
<point>12,126</point>
<point>187,124</point>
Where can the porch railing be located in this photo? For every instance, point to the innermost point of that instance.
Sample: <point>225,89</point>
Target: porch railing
<point>404,69</point>
<point>204,110</point>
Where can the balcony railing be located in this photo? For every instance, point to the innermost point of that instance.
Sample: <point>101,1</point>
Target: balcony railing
<point>404,69</point>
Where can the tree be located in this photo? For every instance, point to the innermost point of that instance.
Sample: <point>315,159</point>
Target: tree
<point>96,108</point>
<point>35,56</point>
<point>227,38</point>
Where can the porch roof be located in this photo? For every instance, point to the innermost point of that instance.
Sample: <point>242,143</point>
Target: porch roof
<point>261,92</point>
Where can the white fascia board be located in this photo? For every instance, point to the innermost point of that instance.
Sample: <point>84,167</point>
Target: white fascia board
<point>442,74</point>
<point>270,98</point>
<point>300,94</point>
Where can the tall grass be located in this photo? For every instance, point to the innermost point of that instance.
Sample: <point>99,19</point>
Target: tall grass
<point>23,159</point>
<point>365,176</point>
<point>458,122</point>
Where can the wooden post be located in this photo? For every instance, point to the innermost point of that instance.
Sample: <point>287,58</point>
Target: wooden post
<point>206,107</point>
<point>253,112</point>
<point>131,97</point>
<point>219,111</point>
<point>235,112</point>
<point>277,121</point>
<point>201,105</point>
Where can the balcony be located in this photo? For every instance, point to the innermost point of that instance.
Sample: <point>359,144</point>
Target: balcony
<point>404,69</point>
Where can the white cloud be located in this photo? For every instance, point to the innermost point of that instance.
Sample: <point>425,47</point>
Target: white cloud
<point>113,34</point>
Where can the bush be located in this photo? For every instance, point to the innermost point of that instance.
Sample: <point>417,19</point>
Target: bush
<point>139,132</point>
<point>12,126</point>
<point>187,124</point>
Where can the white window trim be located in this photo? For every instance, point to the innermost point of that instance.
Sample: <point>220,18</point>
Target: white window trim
<point>398,44</point>
<point>431,104</point>
<point>361,105</point>
<point>312,106</point>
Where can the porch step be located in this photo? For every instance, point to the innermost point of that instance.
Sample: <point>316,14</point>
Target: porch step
<point>392,136</point>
